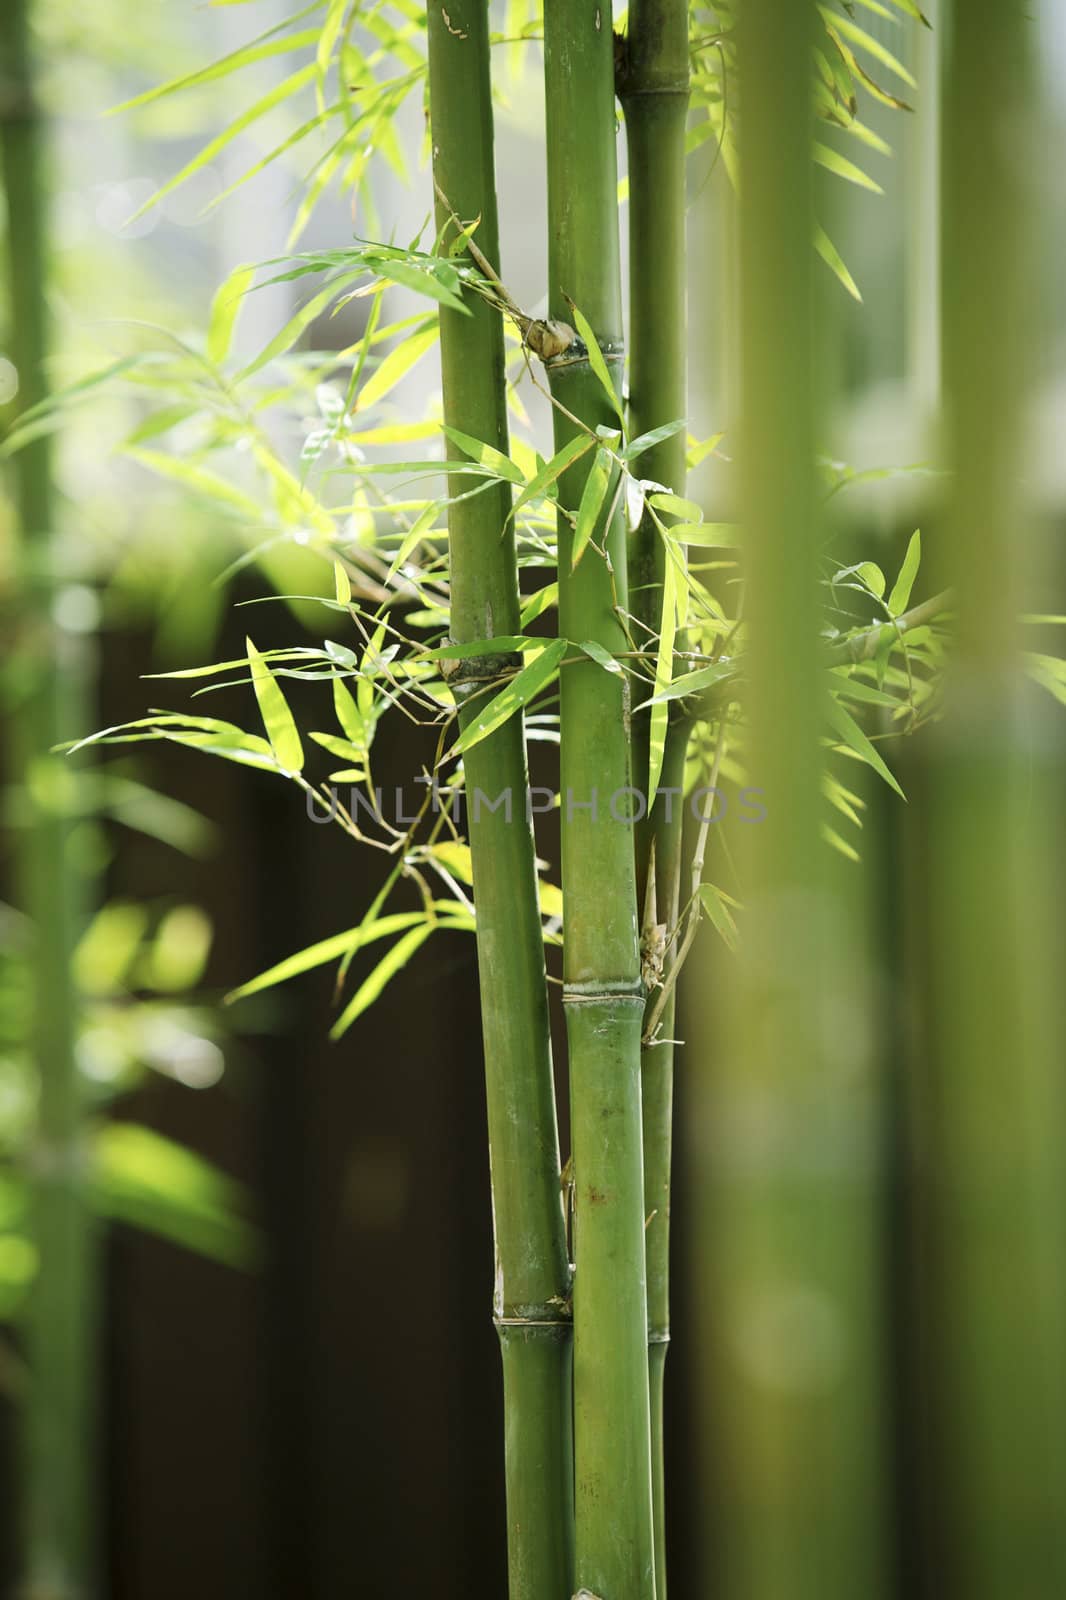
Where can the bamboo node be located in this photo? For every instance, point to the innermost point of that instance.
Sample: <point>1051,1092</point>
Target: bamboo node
<point>478,669</point>
<point>625,992</point>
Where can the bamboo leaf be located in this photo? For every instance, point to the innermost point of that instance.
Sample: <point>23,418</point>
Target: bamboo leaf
<point>859,744</point>
<point>599,653</point>
<point>833,260</point>
<point>592,497</point>
<point>333,949</point>
<point>396,365</point>
<point>717,906</point>
<point>866,41</point>
<point>246,55</point>
<point>277,718</point>
<point>138,1176</point>
<point>692,683</point>
<point>664,668</point>
<point>597,362</point>
<point>500,465</point>
<point>280,92</point>
<point>224,311</point>
<point>518,693</point>
<point>542,481</point>
<point>420,280</point>
<point>342,584</point>
<point>899,599</point>
<point>542,601</point>
<point>348,714</point>
<point>387,968</point>
<point>287,337</point>
<point>637,447</point>
<point>834,162</point>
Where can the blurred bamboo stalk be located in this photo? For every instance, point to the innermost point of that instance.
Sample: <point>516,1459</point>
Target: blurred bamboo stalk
<point>995,1103</point>
<point>59,1468</point>
<point>532,1267</point>
<point>783,1158</point>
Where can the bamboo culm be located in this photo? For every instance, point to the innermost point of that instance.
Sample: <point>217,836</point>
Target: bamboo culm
<point>57,1424</point>
<point>654,91</point>
<point>532,1292</point>
<point>603,993</point>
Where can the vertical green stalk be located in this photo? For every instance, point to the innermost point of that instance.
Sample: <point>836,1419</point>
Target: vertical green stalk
<point>57,1424</point>
<point>654,90</point>
<point>603,992</point>
<point>779,1141</point>
<point>996,930</point>
<point>532,1269</point>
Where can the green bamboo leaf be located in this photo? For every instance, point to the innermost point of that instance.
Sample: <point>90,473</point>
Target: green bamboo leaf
<point>591,504</point>
<point>692,683</point>
<point>200,480</point>
<point>1049,672</point>
<point>518,693</point>
<point>865,41</point>
<point>500,465</point>
<point>542,481</point>
<point>599,653</point>
<point>343,749</point>
<point>833,260</point>
<point>675,506</point>
<point>245,56</point>
<point>718,906</point>
<point>287,337</point>
<point>137,1176</point>
<point>413,537</point>
<point>664,669</point>
<point>387,968</point>
<point>334,948</point>
<point>277,718</point>
<point>542,601</point>
<point>834,162</point>
<point>348,714</point>
<point>396,365</point>
<point>637,447</point>
<point>342,584</point>
<point>899,599</point>
<point>274,97</point>
<point>597,362</point>
<point>859,744</point>
<point>224,311</point>
<point>421,280</point>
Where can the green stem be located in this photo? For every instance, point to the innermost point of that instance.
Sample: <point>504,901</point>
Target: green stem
<point>657,1099</point>
<point>654,90</point>
<point>57,1425</point>
<point>603,991</point>
<point>993,1069</point>
<point>532,1267</point>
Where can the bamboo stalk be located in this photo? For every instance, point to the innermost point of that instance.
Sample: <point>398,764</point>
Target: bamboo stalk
<point>995,1099</point>
<point>532,1268</point>
<point>603,993</point>
<point>654,91</point>
<point>780,1106</point>
<point>57,1425</point>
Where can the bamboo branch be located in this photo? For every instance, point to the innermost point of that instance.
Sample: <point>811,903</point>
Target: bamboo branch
<point>532,1268</point>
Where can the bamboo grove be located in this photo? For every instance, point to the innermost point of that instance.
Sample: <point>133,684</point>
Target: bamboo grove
<point>572,594</point>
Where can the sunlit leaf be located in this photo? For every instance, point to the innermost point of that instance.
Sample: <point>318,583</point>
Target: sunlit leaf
<point>277,718</point>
